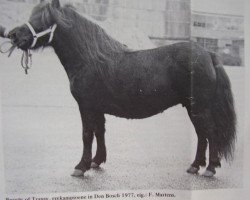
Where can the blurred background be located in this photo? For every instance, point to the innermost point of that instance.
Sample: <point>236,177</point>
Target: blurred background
<point>217,25</point>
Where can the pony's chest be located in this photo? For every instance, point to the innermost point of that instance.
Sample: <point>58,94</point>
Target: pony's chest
<point>86,90</point>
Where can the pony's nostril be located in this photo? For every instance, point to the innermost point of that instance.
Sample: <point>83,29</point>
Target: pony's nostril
<point>14,40</point>
<point>13,36</point>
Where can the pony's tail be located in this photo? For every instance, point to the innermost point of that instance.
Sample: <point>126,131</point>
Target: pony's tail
<point>223,111</point>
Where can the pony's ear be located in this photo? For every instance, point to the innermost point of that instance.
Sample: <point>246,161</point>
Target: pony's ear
<point>55,3</point>
<point>57,15</point>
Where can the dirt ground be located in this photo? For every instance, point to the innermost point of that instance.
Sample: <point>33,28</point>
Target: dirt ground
<point>42,138</point>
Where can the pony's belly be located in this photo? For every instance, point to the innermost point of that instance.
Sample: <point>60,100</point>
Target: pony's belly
<point>140,109</point>
<point>133,114</point>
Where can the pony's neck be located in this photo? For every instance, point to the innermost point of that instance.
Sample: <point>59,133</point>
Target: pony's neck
<point>86,46</point>
<point>66,52</point>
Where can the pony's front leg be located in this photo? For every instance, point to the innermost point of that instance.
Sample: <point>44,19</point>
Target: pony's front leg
<point>101,153</point>
<point>88,125</point>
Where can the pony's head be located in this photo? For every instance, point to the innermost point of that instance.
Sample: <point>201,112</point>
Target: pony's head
<point>39,30</point>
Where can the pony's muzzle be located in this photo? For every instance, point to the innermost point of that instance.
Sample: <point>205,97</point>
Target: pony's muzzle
<point>20,37</point>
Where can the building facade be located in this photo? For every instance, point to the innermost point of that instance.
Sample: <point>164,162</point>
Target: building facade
<point>220,33</point>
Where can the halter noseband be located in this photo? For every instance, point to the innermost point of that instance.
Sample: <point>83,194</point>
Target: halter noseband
<point>50,31</point>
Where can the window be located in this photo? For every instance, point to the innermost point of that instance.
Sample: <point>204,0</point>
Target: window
<point>208,43</point>
<point>199,24</point>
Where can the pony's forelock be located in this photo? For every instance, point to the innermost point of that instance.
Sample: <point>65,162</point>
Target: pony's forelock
<point>51,15</point>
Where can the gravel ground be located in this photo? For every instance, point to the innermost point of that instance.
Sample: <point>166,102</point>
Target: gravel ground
<point>42,139</point>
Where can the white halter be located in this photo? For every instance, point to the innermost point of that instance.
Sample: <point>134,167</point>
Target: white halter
<point>50,31</point>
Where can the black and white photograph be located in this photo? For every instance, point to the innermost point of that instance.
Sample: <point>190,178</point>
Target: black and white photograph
<point>126,97</point>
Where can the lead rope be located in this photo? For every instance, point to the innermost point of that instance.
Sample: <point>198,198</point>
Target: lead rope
<point>26,60</point>
<point>8,50</point>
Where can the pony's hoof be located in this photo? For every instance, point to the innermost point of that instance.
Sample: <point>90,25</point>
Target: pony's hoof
<point>192,170</point>
<point>208,173</point>
<point>77,173</point>
<point>94,165</point>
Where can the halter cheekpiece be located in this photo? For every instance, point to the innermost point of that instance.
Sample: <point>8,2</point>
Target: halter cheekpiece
<point>50,31</point>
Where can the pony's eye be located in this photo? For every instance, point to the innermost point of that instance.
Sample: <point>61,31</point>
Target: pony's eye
<point>38,28</point>
<point>22,28</point>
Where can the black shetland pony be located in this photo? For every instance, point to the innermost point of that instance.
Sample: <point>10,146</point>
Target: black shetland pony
<point>107,78</point>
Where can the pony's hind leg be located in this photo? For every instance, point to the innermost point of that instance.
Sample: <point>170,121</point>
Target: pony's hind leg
<point>214,158</point>
<point>101,153</point>
<point>200,158</point>
<point>205,128</point>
